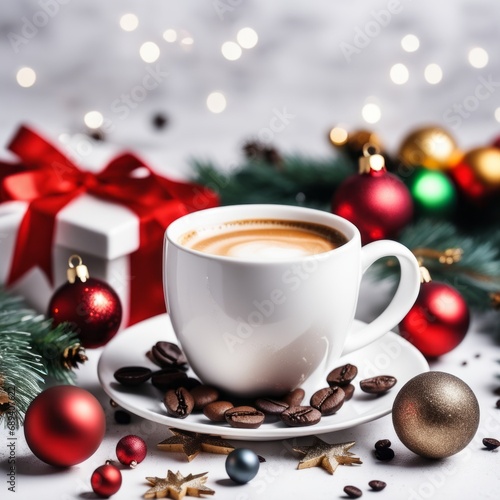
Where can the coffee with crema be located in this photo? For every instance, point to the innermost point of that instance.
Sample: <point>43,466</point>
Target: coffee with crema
<point>265,239</point>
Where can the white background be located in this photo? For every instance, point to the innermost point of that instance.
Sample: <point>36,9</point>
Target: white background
<point>84,61</point>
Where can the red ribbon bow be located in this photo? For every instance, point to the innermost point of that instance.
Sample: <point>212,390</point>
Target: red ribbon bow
<point>48,181</point>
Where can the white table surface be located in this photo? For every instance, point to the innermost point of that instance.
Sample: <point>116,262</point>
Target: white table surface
<point>472,473</point>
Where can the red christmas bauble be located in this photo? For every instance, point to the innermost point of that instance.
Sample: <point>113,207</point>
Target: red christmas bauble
<point>64,425</point>
<point>131,450</point>
<point>93,307</point>
<point>438,321</point>
<point>106,480</point>
<point>378,203</point>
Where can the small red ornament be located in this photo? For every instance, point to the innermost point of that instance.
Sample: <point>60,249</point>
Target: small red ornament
<point>375,201</point>
<point>106,480</point>
<point>91,305</point>
<point>131,450</point>
<point>64,425</point>
<point>439,319</point>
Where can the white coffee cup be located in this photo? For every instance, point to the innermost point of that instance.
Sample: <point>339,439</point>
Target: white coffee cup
<point>262,327</point>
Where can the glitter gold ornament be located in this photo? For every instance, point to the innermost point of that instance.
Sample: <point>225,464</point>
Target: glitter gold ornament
<point>435,414</point>
<point>177,486</point>
<point>485,162</point>
<point>430,147</point>
<point>325,455</point>
<point>352,143</point>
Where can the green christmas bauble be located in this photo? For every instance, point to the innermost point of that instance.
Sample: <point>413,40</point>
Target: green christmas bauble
<point>433,192</point>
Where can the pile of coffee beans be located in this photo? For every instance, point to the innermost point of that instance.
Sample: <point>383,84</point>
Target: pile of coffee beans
<point>183,395</point>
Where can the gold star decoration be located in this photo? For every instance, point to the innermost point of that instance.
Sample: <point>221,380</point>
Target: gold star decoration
<point>192,443</point>
<point>177,486</point>
<point>328,456</point>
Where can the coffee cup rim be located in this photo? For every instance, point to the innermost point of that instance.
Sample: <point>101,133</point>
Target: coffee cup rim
<point>215,215</point>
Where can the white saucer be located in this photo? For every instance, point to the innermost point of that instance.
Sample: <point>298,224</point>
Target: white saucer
<point>391,355</point>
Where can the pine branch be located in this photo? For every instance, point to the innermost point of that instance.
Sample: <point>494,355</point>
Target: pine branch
<point>298,181</point>
<point>21,375</point>
<point>476,275</point>
<point>31,348</point>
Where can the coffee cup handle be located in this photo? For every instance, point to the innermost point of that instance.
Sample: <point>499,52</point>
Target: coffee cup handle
<point>401,303</point>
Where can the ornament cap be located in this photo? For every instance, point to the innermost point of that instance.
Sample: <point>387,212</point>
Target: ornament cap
<point>78,270</point>
<point>372,160</point>
<point>425,275</point>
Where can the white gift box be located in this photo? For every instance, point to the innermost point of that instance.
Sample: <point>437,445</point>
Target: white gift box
<point>101,232</point>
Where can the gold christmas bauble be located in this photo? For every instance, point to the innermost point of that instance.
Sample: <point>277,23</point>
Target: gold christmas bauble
<point>435,414</point>
<point>430,147</point>
<point>485,162</point>
<point>353,142</point>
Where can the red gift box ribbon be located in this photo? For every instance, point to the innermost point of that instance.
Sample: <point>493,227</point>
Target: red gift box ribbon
<point>48,180</point>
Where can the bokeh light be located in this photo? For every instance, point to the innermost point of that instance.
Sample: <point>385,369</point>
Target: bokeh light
<point>231,51</point>
<point>371,112</point>
<point>433,73</point>
<point>410,43</point>
<point>26,77</point>
<point>478,57</point>
<point>170,35</point>
<point>338,136</point>
<point>216,102</point>
<point>93,119</point>
<point>247,38</point>
<point>399,74</point>
<point>129,22</point>
<point>149,52</point>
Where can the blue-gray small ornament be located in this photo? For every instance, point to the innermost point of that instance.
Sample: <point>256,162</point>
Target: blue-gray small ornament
<point>242,465</point>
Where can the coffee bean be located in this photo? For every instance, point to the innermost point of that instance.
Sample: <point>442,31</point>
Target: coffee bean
<point>496,391</point>
<point>342,375</point>
<point>328,400</point>
<point>271,406</point>
<point>132,375</point>
<point>382,443</point>
<point>168,378</point>
<point>384,454</point>
<point>203,395</point>
<point>498,403</point>
<point>295,397</point>
<point>244,417</point>
<point>169,354</point>
<point>377,385</point>
<point>348,391</point>
<point>301,416</point>
<point>122,417</point>
<point>491,443</point>
<point>352,492</point>
<point>377,485</point>
<point>215,411</point>
<point>179,402</point>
